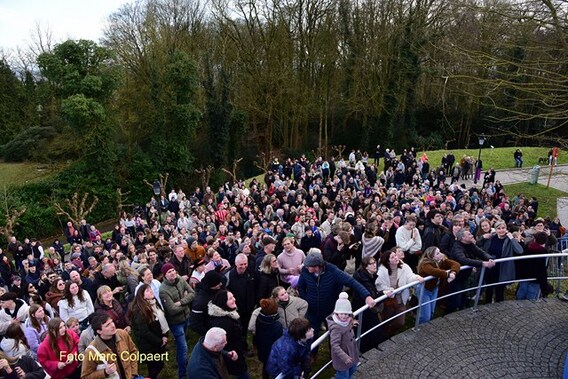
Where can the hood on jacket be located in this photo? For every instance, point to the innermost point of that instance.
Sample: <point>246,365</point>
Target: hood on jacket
<point>216,311</point>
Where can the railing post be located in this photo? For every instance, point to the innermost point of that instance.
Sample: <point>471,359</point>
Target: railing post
<point>359,330</point>
<point>478,292</point>
<point>419,309</point>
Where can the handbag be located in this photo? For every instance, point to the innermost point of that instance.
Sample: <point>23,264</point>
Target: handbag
<point>103,365</point>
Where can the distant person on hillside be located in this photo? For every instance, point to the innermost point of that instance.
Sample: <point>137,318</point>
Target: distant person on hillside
<point>518,155</point>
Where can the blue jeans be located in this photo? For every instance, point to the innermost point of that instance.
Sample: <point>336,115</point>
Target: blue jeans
<point>528,291</point>
<point>427,310</point>
<point>178,331</point>
<point>347,373</point>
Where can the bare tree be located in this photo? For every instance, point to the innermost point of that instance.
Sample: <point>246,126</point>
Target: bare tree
<point>11,216</point>
<point>233,172</point>
<point>163,180</point>
<point>77,209</point>
<point>205,176</point>
<point>122,196</point>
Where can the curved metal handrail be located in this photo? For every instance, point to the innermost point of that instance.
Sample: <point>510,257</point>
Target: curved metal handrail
<point>359,312</point>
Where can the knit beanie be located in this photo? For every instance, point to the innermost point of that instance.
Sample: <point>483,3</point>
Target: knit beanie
<point>343,305</point>
<point>211,279</point>
<point>167,267</point>
<point>268,307</point>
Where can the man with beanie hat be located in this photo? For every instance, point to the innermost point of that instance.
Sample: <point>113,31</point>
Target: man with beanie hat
<point>177,295</point>
<point>13,309</point>
<point>344,354</point>
<point>321,283</point>
<point>211,283</point>
<point>194,250</point>
<point>267,331</point>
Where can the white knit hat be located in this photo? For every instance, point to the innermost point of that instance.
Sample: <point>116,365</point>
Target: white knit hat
<point>343,305</point>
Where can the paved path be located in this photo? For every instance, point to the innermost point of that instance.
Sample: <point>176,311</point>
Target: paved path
<point>559,180</point>
<point>513,339</point>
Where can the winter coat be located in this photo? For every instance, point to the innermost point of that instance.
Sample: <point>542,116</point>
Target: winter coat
<point>404,275</point>
<point>468,254</point>
<point>268,330</point>
<point>243,288</point>
<point>322,291</point>
<point>439,271</point>
<point>342,345</point>
<point>510,246</point>
<point>116,312</point>
<point>368,281</point>
<point>198,318</point>
<point>123,344</point>
<point>170,293</point>
<point>535,267</point>
<point>266,283</point>
<point>20,313</point>
<point>29,366</point>
<point>296,307</point>
<point>288,356</point>
<point>49,358</point>
<point>148,336</point>
<point>206,364</point>
<point>229,321</point>
<point>33,336</point>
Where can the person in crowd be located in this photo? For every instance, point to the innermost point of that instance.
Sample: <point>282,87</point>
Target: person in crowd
<point>289,308</point>
<point>106,303</point>
<point>36,327</point>
<point>321,282</point>
<point>75,303</point>
<point>434,263</point>
<point>501,245</point>
<point>147,277</point>
<point>208,356</point>
<point>290,262</point>
<point>366,274</point>
<point>198,273</point>
<point>56,354</point>
<point>518,155</point>
<point>14,344</point>
<point>149,327</point>
<point>212,282</point>
<point>129,277</point>
<point>242,285</point>
<point>409,240</point>
<point>268,247</point>
<point>222,310</point>
<point>534,268</point>
<point>181,262</point>
<point>74,325</point>
<point>465,252</point>
<point>177,295</point>
<point>86,284</point>
<point>392,274</point>
<point>433,229</point>
<point>290,354</point>
<point>13,310</point>
<point>343,347</point>
<point>216,262</point>
<point>87,336</point>
<point>112,351</point>
<point>370,241</point>
<point>107,277</point>
<point>23,367</point>
<point>268,277</point>
<point>267,331</point>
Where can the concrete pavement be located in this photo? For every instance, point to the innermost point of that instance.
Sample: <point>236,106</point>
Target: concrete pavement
<point>511,340</point>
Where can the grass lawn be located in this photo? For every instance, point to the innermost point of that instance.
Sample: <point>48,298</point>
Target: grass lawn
<point>546,197</point>
<point>17,174</point>
<point>498,158</point>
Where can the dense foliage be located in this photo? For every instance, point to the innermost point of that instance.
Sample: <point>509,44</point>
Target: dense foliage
<point>176,86</point>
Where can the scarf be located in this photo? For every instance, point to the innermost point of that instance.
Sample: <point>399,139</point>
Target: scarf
<point>339,322</point>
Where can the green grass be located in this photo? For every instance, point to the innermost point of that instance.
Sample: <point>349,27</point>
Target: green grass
<point>17,174</point>
<point>546,197</point>
<point>498,158</point>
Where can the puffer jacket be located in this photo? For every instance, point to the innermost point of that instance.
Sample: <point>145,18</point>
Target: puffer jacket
<point>343,346</point>
<point>288,356</point>
<point>171,293</point>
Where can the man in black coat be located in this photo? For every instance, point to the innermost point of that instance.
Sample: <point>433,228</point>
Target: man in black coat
<point>242,284</point>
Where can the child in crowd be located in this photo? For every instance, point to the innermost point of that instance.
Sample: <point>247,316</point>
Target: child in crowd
<point>344,354</point>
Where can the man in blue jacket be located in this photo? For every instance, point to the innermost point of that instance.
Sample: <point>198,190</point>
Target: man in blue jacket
<point>320,284</point>
<point>207,358</point>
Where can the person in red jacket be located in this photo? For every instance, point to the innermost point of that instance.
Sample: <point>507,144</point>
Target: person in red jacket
<point>58,352</point>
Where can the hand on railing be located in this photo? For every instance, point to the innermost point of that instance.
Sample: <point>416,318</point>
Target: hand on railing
<point>451,277</point>
<point>488,264</point>
<point>370,301</point>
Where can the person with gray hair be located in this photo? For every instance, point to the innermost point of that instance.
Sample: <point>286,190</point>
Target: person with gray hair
<point>465,252</point>
<point>207,357</point>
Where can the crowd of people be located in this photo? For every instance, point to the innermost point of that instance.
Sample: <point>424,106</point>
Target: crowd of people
<point>269,260</point>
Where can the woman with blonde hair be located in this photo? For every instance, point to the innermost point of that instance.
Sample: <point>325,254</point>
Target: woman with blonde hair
<point>129,276</point>
<point>106,303</point>
<point>434,263</point>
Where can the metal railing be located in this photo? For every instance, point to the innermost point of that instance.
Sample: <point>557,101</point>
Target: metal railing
<point>558,275</point>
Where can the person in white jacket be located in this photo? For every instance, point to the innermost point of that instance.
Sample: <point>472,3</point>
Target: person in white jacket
<point>392,274</point>
<point>76,303</point>
<point>409,240</point>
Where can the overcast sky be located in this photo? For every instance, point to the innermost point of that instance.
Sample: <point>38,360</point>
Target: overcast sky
<point>76,19</point>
